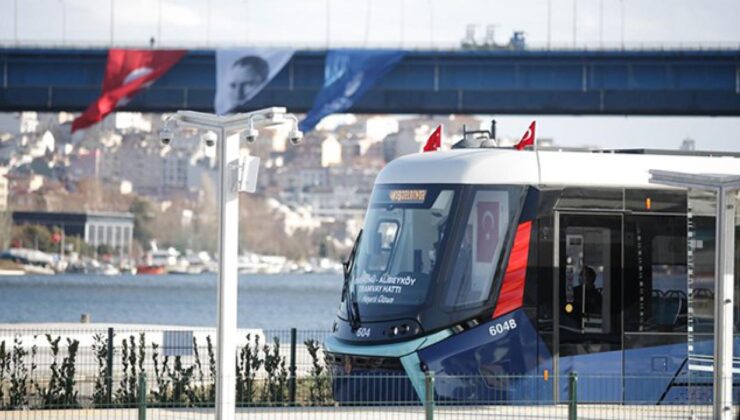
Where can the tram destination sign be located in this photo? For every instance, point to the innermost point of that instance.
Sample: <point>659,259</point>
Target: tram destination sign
<point>401,196</point>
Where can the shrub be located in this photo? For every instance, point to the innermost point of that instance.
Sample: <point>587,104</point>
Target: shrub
<point>20,374</point>
<point>51,395</point>
<point>161,376</point>
<point>277,375</point>
<point>181,378</point>
<point>69,394</point>
<point>319,385</point>
<point>100,349</point>
<point>247,365</point>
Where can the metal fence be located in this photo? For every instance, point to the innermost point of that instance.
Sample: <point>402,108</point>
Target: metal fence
<point>116,351</point>
<point>92,373</point>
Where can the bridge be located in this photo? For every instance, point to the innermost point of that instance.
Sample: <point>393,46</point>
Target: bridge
<point>618,82</point>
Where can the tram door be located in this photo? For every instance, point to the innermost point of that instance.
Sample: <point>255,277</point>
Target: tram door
<point>589,325</point>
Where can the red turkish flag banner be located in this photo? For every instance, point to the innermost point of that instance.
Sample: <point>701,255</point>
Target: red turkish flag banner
<point>126,73</point>
<point>435,140</point>
<point>527,138</point>
<point>487,231</point>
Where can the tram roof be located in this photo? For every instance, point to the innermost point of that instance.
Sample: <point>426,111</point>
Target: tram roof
<point>556,167</point>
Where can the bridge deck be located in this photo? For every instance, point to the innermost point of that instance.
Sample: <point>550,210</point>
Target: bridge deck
<point>434,82</point>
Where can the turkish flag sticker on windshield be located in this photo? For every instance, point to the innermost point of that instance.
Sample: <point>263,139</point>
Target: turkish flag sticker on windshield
<point>487,232</point>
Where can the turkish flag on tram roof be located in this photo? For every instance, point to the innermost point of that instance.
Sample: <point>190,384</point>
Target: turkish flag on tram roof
<point>527,138</point>
<point>435,140</point>
<point>126,72</point>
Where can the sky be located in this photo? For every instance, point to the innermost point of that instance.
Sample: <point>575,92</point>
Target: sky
<point>410,24</point>
<point>396,23</point>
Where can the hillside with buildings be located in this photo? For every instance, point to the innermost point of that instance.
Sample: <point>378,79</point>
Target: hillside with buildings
<point>310,201</point>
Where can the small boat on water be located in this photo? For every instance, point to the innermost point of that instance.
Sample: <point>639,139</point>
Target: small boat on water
<point>30,261</point>
<point>150,269</point>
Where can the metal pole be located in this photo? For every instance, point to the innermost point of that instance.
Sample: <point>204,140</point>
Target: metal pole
<point>573,397</point>
<point>724,286</point>
<point>292,369</point>
<point>109,369</point>
<point>428,395</point>
<point>142,396</point>
<point>228,234</point>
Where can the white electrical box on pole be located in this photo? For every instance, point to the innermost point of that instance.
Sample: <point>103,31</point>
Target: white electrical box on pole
<point>235,174</point>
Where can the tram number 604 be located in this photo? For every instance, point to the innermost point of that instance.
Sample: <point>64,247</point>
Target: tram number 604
<point>363,332</point>
<point>502,327</point>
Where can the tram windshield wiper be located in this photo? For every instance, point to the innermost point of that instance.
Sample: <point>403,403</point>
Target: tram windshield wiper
<point>352,308</point>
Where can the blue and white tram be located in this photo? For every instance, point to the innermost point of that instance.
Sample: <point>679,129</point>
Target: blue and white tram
<point>481,264</point>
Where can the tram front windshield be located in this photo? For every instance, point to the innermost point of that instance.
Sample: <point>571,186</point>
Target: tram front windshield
<point>406,233</point>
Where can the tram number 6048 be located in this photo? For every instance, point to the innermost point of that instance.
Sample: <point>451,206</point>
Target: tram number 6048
<point>502,327</point>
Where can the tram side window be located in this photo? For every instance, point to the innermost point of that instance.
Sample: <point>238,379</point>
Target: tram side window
<point>656,278</point>
<point>483,238</point>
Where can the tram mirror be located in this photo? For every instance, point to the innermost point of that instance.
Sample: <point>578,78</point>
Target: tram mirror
<point>441,205</point>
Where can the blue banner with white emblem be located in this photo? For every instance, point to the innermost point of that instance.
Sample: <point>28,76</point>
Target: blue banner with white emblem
<point>348,74</point>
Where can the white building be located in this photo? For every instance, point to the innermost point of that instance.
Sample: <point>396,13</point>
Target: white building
<point>29,122</point>
<point>331,152</point>
<point>133,121</point>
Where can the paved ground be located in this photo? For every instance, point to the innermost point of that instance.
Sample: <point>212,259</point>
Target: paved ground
<point>585,412</point>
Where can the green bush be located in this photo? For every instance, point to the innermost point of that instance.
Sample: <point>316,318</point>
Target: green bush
<point>247,365</point>
<point>276,381</point>
<point>319,387</point>
<point>100,348</point>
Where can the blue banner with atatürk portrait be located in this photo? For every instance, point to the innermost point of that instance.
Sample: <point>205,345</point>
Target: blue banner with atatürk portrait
<point>348,74</point>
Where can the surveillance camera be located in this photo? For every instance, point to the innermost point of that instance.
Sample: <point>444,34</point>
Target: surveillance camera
<point>295,137</point>
<point>250,135</point>
<point>209,138</point>
<point>165,136</point>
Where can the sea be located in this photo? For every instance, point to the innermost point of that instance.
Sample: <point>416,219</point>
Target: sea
<point>272,302</point>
